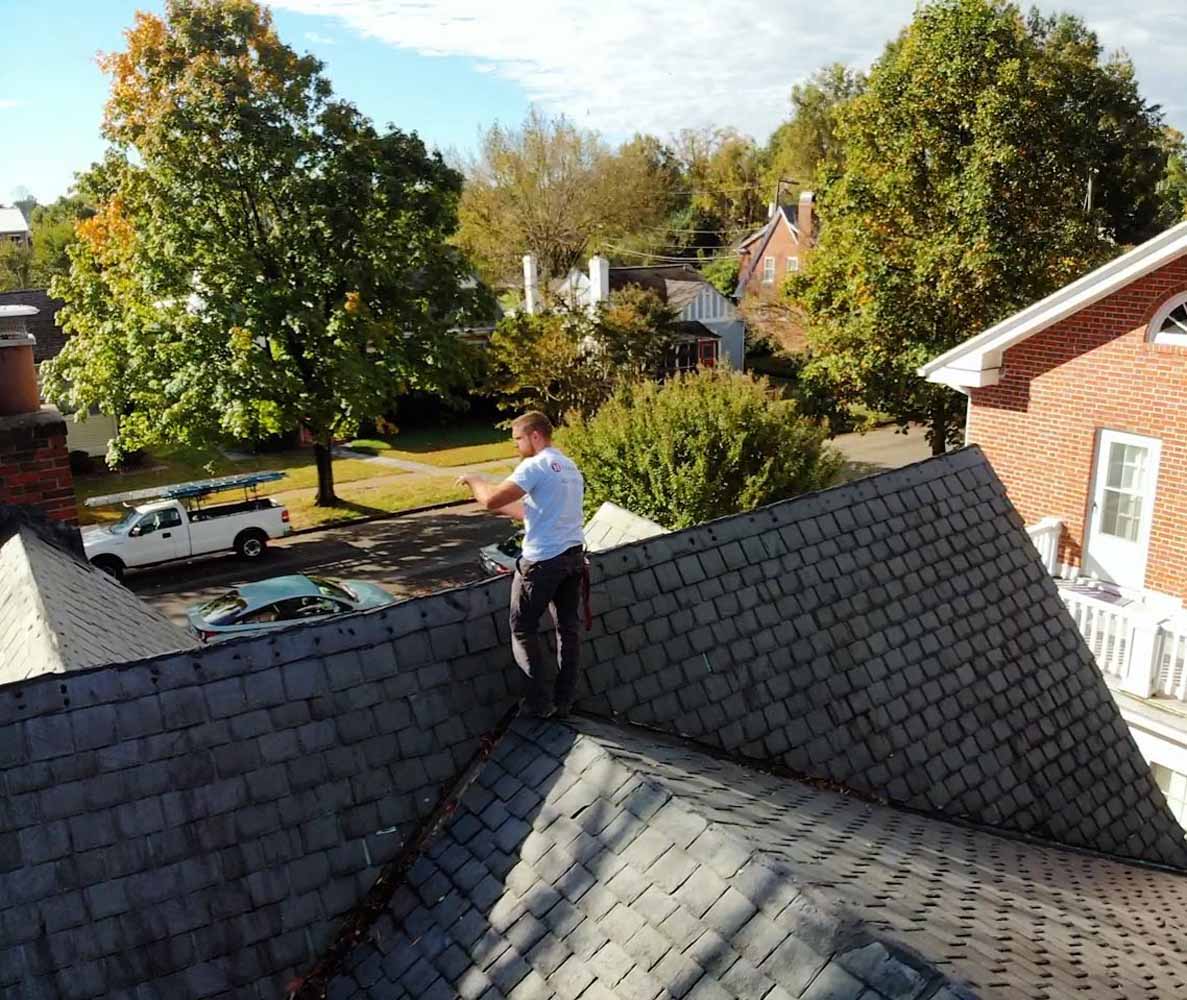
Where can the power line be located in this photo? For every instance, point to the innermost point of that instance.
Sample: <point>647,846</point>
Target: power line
<point>669,259</point>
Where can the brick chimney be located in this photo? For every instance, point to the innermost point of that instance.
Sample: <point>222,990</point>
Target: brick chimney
<point>804,221</point>
<point>34,462</point>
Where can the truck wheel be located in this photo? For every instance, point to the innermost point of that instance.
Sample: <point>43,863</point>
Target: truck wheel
<point>251,544</point>
<point>110,565</point>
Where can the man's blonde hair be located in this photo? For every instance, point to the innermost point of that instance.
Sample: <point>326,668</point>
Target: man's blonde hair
<point>533,420</point>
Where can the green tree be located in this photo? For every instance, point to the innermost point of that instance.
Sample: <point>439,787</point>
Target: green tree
<point>559,192</point>
<point>808,139</point>
<point>721,272</point>
<point>568,361</point>
<point>53,232</point>
<point>960,199</point>
<point>1172,189</point>
<point>16,266</point>
<point>261,255</point>
<point>698,447</point>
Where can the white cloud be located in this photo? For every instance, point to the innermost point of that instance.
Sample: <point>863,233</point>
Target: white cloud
<point>318,39</point>
<point>6,103</point>
<point>651,65</point>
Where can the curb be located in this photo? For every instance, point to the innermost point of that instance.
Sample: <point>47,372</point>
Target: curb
<point>443,505</point>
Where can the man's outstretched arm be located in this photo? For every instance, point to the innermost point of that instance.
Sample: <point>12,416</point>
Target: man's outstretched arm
<point>501,498</point>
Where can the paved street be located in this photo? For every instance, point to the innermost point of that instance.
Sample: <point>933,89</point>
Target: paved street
<point>406,555</point>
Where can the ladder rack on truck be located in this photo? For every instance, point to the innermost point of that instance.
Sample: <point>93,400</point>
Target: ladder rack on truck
<point>249,482</point>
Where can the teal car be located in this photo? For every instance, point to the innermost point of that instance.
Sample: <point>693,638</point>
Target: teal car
<point>253,608</point>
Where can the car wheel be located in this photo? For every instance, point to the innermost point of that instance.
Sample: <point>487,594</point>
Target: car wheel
<point>251,544</point>
<point>109,565</point>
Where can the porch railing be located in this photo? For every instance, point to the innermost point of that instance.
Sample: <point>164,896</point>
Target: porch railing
<point>1045,535</point>
<point>1135,649</point>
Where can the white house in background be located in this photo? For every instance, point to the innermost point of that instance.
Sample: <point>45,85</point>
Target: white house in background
<point>14,228</point>
<point>711,331</point>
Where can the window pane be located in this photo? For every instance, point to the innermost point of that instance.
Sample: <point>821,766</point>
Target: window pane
<point>1122,515</point>
<point>1127,467</point>
<point>1176,322</point>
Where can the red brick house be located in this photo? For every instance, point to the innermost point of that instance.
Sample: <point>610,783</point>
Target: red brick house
<point>766,258</point>
<point>1080,403</point>
<point>778,249</point>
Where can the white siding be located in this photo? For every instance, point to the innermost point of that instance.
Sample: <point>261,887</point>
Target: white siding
<point>91,436</point>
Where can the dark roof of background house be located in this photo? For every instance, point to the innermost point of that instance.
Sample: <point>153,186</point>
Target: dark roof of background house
<point>676,284</point>
<point>50,337</point>
<point>59,614</point>
<point>622,862</point>
<point>203,821</point>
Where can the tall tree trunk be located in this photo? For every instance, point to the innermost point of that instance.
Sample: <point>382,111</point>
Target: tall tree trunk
<point>323,455</point>
<point>942,415</point>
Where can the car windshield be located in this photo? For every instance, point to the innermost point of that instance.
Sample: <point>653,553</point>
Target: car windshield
<point>223,610</point>
<point>513,546</point>
<point>334,590</point>
<point>124,523</point>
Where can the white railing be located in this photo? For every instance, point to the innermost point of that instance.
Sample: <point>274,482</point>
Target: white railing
<point>1046,535</point>
<point>1134,649</point>
<point>1170,663</point>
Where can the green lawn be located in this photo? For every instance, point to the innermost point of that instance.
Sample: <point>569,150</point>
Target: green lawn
<point>457,444</point>
<point>180,464</point>
<point>381,488</point>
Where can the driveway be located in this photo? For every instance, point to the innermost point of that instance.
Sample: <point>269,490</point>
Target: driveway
<point>408,555</point>
<point>879,450</point>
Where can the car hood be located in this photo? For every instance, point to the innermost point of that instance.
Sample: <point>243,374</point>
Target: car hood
<point>370,595</point>
<point>93,534</point>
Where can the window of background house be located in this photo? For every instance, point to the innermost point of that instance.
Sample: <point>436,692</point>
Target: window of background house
<point>1169,325</point>
<point>793,265</point>
<point>1174,787</point>
<point>768,270</point>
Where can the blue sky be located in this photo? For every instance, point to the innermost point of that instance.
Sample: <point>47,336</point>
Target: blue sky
<point>444,68</point>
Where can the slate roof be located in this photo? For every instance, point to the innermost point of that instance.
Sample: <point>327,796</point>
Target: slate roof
<point>604,861</point>
<point>60,614</point>
<point>50,337</point>
<point>197,824</point>
<point>675,284</point>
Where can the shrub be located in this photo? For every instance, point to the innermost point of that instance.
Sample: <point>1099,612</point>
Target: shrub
<point>81,464</point>
<point>697,447</point>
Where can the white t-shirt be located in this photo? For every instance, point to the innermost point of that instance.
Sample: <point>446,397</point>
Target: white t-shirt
<point>555,492</point>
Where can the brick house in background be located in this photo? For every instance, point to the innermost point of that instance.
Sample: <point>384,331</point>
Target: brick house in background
<point>1080,403</point>
<point>766,258</point>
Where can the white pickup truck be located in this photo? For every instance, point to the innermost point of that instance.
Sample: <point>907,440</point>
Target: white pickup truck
<point>177,526</point>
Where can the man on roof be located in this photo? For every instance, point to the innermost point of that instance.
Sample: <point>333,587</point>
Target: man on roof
<point>547,492</point>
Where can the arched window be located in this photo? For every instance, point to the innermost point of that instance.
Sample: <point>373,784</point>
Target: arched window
<point>1169,325</point>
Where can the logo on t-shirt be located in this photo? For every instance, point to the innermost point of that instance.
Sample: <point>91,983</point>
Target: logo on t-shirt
<point>556,466</point>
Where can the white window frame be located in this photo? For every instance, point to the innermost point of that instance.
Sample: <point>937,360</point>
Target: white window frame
<point>1153,331</point>
<point>768,270</point>
<point>793,265</point>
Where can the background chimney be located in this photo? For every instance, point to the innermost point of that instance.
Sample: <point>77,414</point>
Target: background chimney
<point>599,280</point>
<point>18,375</point>
<point>531,283</point>
<point>804,220</point>
<point>34,462</point>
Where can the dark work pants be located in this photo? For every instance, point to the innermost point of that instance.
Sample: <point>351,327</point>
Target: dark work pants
<point>553,584</point>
